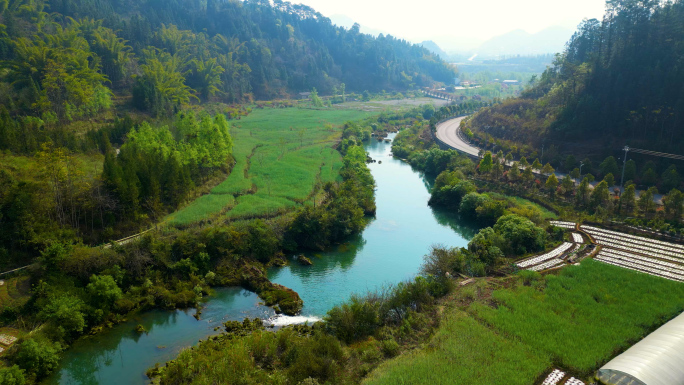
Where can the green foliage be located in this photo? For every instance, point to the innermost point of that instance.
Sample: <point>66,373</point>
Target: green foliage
<point>38,356</point>
<point>361,317</point>
<point>315,99</point>
<point>598,91</point>
<point>66,313</point>
<point>628,200</point>
<point>482,208</point>
<point>103,291</point>
<point>54,256</point>
<point>449,189</point>
<point>581,333</point>
<point>158,170</point>
<point>342,214</point>
<point>295,355</point>
<point>12,375</point>
<point>600,196</point>
<point>674,205</point>
<point>486,164</point>
<point>484,358</point>
<point>520,234</point>
<point>271,174</point>
<point>354,320</point>
<point>56,75</point>
<point>670,178</point>
<point>646,204</point>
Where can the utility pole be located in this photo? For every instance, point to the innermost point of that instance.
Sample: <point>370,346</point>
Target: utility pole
<point>624,163</point>
<point>542,156</point>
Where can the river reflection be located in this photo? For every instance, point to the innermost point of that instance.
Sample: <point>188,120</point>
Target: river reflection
<point>390,250</point>
<point>121,355</point>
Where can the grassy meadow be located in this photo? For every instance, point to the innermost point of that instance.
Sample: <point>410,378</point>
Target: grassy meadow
<point>576,320</point>
<point>464,352</point>
<point>281,155</point>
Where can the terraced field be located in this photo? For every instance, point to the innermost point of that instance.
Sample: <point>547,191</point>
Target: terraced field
<point>281,155</point>
<point>14,292</point>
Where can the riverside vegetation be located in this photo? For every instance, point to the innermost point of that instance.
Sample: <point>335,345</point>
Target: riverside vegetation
<point>80,289</point>
<point>114,115</point>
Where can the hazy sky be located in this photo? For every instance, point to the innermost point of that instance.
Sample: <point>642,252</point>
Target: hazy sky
<point>475,19</point>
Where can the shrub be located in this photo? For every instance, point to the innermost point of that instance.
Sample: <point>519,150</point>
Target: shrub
<point>528,277</point>
<point>390,347</point>
<point>65,312</point>
<point>38,357</point>
<point>353,320</point>
<point>520,235</point>
<point>12,376</point>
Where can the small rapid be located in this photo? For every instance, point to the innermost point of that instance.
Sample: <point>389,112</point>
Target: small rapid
<point>389,250</point>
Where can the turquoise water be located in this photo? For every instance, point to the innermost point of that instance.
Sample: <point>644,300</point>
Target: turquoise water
<point>390,250</point>
<point>391,247</point>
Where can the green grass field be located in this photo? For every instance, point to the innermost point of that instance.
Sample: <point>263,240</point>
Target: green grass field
<point>280,156</point>
<point>577,320</point>
<point>464,352</point>
<point>585,314</point>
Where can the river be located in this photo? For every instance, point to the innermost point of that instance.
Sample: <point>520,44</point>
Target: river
<point>389,250</point>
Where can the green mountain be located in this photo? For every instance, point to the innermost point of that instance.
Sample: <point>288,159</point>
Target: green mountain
<point>263,50</point>
<point>619,81</point>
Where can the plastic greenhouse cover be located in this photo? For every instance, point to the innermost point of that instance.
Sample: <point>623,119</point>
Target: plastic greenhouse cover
<point>658,359</point>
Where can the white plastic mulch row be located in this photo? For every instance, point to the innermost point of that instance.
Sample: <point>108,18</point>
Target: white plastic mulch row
<point>656,243</point>
<point>626,245</point>
<point>667,266</point>
<point>565,225</point>
<point>639,245</point>
<point>7,339</point>
<point>577,238</point>
<point>574,381</point>
<point>554,377</point>
<point>547,265</point>
<point>545,257</point>
<point>633,265</point>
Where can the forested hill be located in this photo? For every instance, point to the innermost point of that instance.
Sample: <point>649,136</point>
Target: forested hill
<point>620,81</point>
<point>225,49</point>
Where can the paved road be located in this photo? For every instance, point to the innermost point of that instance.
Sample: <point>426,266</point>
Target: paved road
<point>447,133</point>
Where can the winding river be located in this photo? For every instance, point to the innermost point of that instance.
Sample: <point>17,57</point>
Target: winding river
<point>389,250</point>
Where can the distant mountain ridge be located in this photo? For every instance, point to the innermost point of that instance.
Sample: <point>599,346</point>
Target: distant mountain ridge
<point>518,42</point>
<point>347,22</point>
<point>549,40</point>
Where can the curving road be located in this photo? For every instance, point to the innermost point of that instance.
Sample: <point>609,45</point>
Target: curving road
<point>447,132</point>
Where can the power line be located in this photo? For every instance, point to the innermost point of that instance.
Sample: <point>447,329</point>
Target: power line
<point>656,153</point>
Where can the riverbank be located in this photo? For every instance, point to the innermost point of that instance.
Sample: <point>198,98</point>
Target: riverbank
<point>389,250</point>
<point>88,290</point>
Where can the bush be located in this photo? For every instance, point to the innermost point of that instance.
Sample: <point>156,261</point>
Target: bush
<point>452,194</point>
<point>520,235</point>
<point>469,204</point>
<point>12,376</point>
<point>65,312</point>
<point>390,347</point>
<point>353,320</point>
<point>528,277</point>
<point>38,357</point>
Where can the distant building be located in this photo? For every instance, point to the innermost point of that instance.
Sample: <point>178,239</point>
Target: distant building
<point>511,82</point>
<point>304,95</point>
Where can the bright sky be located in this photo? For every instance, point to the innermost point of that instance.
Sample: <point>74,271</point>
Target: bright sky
<point>474,19</point>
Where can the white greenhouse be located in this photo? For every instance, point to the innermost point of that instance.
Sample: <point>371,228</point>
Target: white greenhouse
<point>658,359</point>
